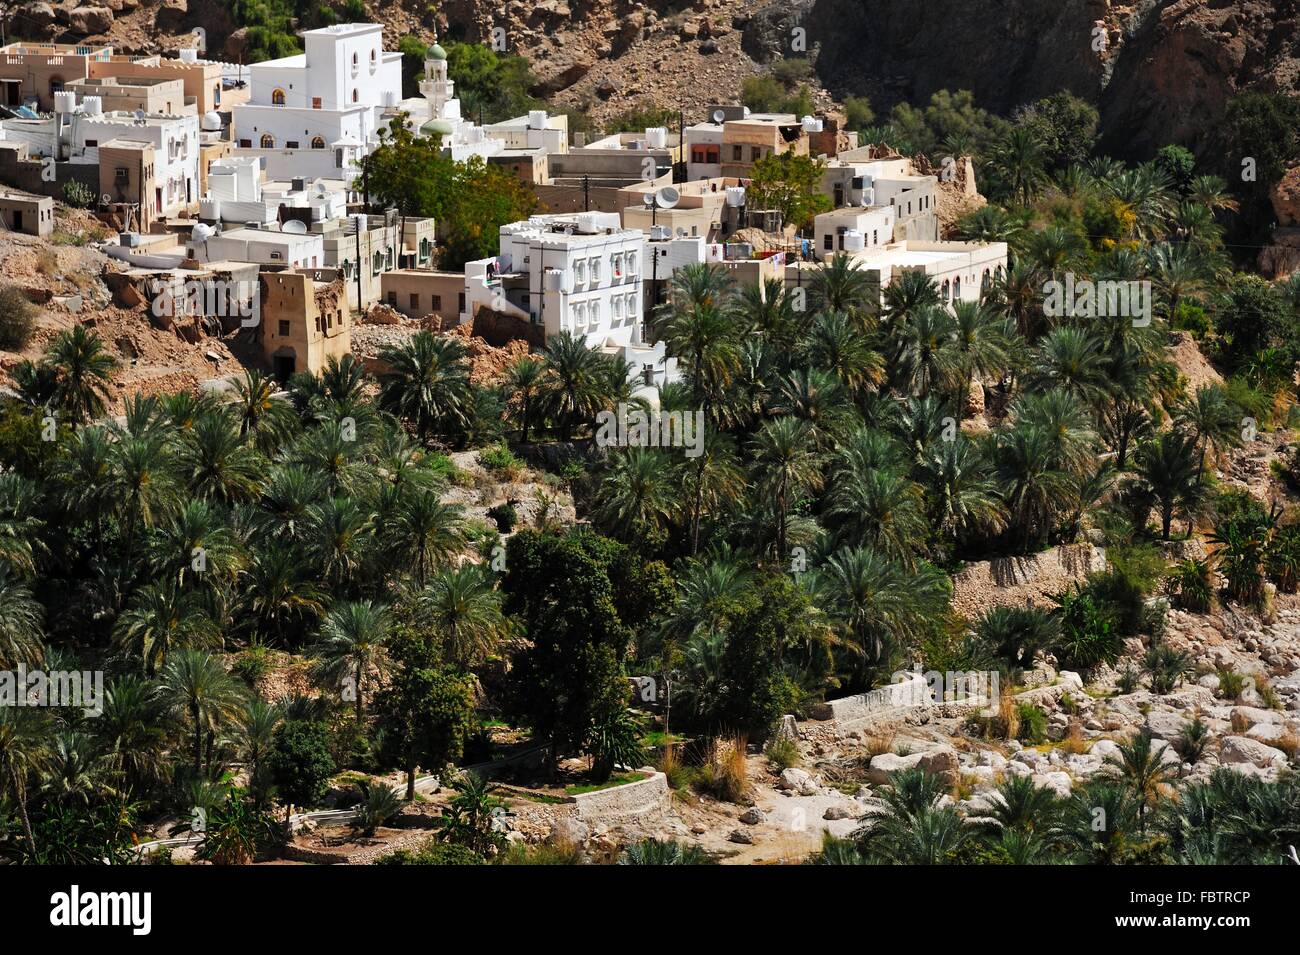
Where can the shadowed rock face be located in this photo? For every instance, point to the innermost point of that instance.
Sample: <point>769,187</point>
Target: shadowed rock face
<point>1165,74</point>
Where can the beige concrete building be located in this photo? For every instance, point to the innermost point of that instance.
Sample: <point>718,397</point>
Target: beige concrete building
<point>39,70</point>
<point>417,293</point>
<point>23,212</point>
<point>151,94</point>
<point>126,175</point>
<point>201,81</point>
<point>746,141</point>
<point>303,322</point>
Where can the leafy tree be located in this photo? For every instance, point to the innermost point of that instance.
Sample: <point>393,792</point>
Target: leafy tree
<point>300,762</point>
<point>789,184</point>
<point>426,710</point>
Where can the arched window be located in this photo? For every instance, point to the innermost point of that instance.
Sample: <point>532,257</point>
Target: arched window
<point>354,94</point>
<point>268,141</point>
<point>318,142</point>
<point>373,57</point>
<point>277,97</point>
<point>946,290</point>
<point>354,58</point>
<point>956,287</point>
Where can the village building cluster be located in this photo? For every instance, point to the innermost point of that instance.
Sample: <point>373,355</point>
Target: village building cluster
<point>221,173</point>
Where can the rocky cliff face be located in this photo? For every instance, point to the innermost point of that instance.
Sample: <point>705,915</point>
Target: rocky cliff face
<point>1160,70</point>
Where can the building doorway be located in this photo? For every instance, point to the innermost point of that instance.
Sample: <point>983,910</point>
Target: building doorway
<point>283,365</point>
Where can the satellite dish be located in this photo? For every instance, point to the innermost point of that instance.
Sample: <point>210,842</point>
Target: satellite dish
<point>649,199</point>
<point>681,232</point>
<point>322,189</point>
<point>668,197</point>
<point>719,116</point>
<point>294,227</point>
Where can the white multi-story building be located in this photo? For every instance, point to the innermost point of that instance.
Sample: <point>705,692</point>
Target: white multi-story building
<point>331,96</point>
<point>579,273</point>
<point>237,193</point>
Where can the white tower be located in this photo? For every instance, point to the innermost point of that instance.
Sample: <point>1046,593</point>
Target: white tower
<point>435,87</point>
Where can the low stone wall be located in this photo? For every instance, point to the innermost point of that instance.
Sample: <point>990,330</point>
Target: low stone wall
<point>873,702</point>
<point>619,805</point>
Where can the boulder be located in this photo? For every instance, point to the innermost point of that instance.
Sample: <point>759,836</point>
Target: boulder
<point>37,15</point>
<point>752,816</point>
<point>833,813</point>
<point>1104,748</point>
<point>568,831</point>
<point>941,762</point>
<point>1249,716</point>
<point>1058,782</point>
<point>1285,197</point>
<point>798,781</point>
<point>1165,725</point>
<point>741,836</point>
<point>90,20</point>
<point>886,764</point>
<point>1242,749</point>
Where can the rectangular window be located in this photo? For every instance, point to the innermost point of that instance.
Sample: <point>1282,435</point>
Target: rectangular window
<point>436,303</point>
<point>284,329</point>
<point>415,300</point>
<point>737,153</point>
<point>460,302</point>
<point>315,102</point>
<point>275,255</point>
<point>291,144</point>
<point>92,143</point>
<point>828,242</point>
<point>392,300</point>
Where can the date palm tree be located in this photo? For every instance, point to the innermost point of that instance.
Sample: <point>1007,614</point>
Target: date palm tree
<point>253,736</point>
<point>195,686</point>
<point>636,495</point>
<point>333,449</point>
<point>963,495</point>
<point>21,618</point>
<point>282,513</point>
<point>710,482</point>
<point>1020,163</point>
<point>1096,823</point>
<point>842,285</point>
<point>24,752</point>
<point>575,382</point>
<point>353,642</point>
<point>262,418</point>
<point>786,464</point>
<point>703,338</point>
<point>982,345</point>
<point>1166,468</point>
<point>427,383</point>
<point>525,379</point>
<point>131,732</point>
<point>926,354</point>
<point>194,548</point>
<point>464,609</point>
<point>144,486</point>
<point>836,346</point>
<point>1211,420</point>
<point>1142,769</point>
<point>881,507</point>
<point>163,618</point>
<point>340,538</point>
<point>430,531</point>
<point>1071,359</point>
<point>280,590</point>
<point>83,370</point>
<point>20,525</point>
<point>1034,488</point>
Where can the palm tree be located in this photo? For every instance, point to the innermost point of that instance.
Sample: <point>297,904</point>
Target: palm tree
<point>786,464</point>
<point>816,397</point>
<point>75,773</point>
<point>925,354</point>
<point>464,608</point>
<point>699,285</point>
<point>282,511</point>
<point>881,507</point>
<point>253,737</point>
<point>1021,805</point>
<point>340,538</point>
<point>261,416</point>
<point>710,481</point>
<point>575,382</point>
<point>703,339</point>
<point>21,616</point>
<point>1166,466</point>
<point>653,852</point>
<point>20,541</point>
<point>131,734</point>
<point>332,449</point>
<point>143,485</point>
<point>636,495</point>
<point>1177,271</point>
<point>1096,822</point>
<point>879,604</point>
<point>767,308</point>
<point>910,293</point>
<point>1065,425</point>
<point>427,383</point>
<point>194,548</point>
<point>963,493</point>
<point>836,346</point>
<point>1210,419</point>
<point>24,751</point>
<point>1070,359</point>
<point>432,532</point>
<point>982,346</point>
<point>1034,488</point>
<point>1015,634</point>
<point>195,685</point>
<point>163,618</point>
<point>524,381</point>
<point>280,589</point>
<point>353,641</point>
<point>1019,162</point>
<point>989,224</point>
<point>83,474</point>
<point>1212,193</point>
<point>84,370</point>
<point>1142,769</point>
<point>842,285</point>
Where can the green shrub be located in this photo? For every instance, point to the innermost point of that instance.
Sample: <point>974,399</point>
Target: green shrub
<point>782,752</point>
<point>77,194</point>
<point>300,762</point>
<point>1033,724</point>
<point>433,853</point>
<point>1166,667</point>
<point>1089,635</point>
<point>505,515</point>
<point>501,461</point>
<point>17,319</point>
<point>253,664</point>
<point>1231,684</point>
<point>1192,586</point>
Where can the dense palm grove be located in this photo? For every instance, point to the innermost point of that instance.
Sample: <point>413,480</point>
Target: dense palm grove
<point>855,454</point>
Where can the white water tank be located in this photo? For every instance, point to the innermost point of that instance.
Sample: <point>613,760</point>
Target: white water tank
<point>537,119</point>
<point>92,106</point>
<point>189,55</point>
<point>554,280</point>
<point>588,223</point>
<point>390,97</point>
<point>65,102</point>
<point>735,196</point>
<point>656,137</point>
<point>812,124</point>
<point>854,241</point>
<point>211,122</point>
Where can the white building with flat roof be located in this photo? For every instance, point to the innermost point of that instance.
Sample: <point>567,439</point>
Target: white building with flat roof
<point>330,96</point>
<point>292,250</point>
<point>579,273</point>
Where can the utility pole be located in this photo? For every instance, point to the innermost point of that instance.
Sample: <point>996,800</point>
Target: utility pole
<point>586,197</point>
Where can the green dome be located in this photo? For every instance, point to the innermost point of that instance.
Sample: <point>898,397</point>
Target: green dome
<point>435,52</point>
<point>441,127</point>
